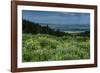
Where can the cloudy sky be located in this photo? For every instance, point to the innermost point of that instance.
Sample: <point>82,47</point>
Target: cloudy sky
<point>50,17</point>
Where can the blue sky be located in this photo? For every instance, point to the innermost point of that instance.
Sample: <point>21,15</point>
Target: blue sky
<point>50,17</point>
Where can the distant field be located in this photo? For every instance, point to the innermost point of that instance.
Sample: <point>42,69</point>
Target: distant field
<point>74,31</point>
<point>45,47</point>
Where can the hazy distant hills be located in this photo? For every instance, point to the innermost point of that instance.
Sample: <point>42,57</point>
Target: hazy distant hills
<point>68,27</point>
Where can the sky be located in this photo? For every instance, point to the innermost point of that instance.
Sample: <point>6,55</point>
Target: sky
<point>51,17</point>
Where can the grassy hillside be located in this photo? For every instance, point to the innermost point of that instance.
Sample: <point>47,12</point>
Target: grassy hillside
<point>44,47</point>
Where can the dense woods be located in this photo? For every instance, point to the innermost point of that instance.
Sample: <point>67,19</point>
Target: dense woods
<point>34,28</point>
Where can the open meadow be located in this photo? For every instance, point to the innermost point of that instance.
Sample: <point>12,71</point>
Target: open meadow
<point>44,47</point>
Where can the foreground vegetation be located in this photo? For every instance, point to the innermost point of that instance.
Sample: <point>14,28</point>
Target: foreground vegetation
<point>44,47</point>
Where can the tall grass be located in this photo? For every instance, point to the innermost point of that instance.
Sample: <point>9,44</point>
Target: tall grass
<point>45,47</point>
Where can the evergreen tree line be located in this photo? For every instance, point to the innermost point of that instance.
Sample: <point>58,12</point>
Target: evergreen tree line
<point>34,28</point>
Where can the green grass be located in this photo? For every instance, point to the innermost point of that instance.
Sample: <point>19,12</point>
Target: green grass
<point>45,47</point>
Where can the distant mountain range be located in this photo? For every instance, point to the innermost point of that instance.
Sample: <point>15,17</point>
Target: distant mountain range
<point>68,27</point>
